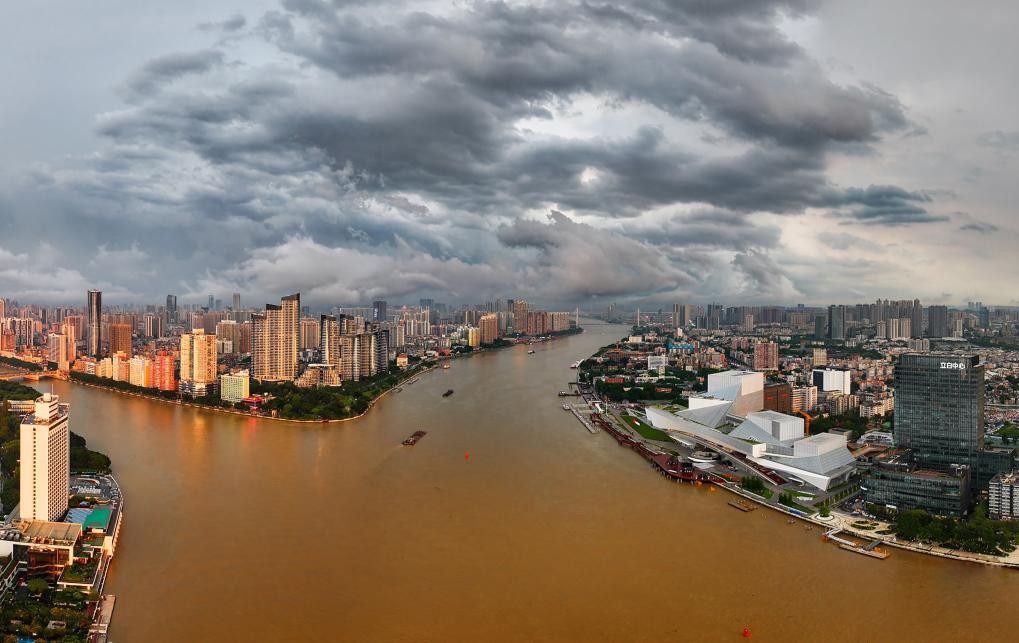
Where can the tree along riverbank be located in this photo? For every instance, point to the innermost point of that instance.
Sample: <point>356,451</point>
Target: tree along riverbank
<point>82,458</point>
<point>298,399</point>
<point>291,403</point>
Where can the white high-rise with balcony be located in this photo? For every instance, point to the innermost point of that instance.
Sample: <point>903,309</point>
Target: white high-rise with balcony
<point>45,460</point>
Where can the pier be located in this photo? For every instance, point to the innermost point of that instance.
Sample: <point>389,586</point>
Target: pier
<point>583,420</point>
<point>870,549</point>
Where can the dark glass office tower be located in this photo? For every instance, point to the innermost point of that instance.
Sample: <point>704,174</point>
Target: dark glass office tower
<point>171,309</point>
<point>937,321</point>
<point>939,409</point>
<point>93,337</point>
<point>836,322</point>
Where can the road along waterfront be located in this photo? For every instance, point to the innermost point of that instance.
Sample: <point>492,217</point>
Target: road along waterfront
<point>243,529</point>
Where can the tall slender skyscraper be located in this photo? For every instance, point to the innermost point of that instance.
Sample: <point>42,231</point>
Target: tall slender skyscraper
<point>93,337</point>
<point>519,316</point>
<point>379,311</point>
<point>236,304</point>
<point>836,322</point>
<point>197,362</point>
<point>937,321</point>
<point>171,309</point>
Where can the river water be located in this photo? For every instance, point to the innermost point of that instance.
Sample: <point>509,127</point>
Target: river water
<point>507,522</point>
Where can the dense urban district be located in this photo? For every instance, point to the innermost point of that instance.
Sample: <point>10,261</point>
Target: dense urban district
<point>280,362</point>
<point>62,512</point>
<point>892,422</point>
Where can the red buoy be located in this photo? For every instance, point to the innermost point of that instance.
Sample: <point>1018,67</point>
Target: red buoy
<point>746,632</point>
<point>467,456</point>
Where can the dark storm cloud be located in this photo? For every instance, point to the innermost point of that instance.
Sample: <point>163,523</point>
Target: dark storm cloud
<point>885,205</point>
<point>380,128</point>
<point>742,29</point>
<point>514,59</point>
<point>718,229</point>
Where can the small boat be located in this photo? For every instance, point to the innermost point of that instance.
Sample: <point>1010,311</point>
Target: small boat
<point>413,439</point>
<point>445,364</point>
<point>566,407</point>
<point>447,393</point>
<point>530,352</point>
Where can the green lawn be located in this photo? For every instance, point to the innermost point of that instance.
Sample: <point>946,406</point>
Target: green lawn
<point>645,430</point>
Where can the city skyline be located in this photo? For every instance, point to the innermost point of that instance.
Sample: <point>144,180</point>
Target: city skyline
<point>769,155</point>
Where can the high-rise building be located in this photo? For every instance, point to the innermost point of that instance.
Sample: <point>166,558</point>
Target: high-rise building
<point>23,329</point>
<point>238,336</point>
<point>57,350</point>
<point>236,303</point>
<point>274,340</point>
<point>984,318</point>
<point>939,408</point>
<point>537,323</point>
<point>212,303</point>
<point>778,397</point>
<point>379,311</point>
<point>832,379</point>
<point>937,321</point>
<point>163,368</point>
<point>70,333</point>
<point>804,399</point>
<point>120,339</point>
<point>197,362</point>
<point>488,327</point>
<point>766,356</point>
<point>939,425</point>
<point>234,387</point>
<point>354,352</point>
<point>820,327</point>
<point>820,357</point>
<point>93,339</point>
<point>45,460</point>
<point>140,371</point>
<point>171,309</point>
<point>682,315</point>
<point>1003,496</point>
<point>330,350</point>
<point>310,334</point>
<point>519,316</point>
<point>836,322</point>
<point>152,325</point>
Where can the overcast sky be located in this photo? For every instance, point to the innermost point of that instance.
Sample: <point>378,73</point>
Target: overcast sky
<point>652,151</point>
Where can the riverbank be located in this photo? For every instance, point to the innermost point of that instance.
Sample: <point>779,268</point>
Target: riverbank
<point>843,522</point>
<point>217,409</point>
<point>837,520</point>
